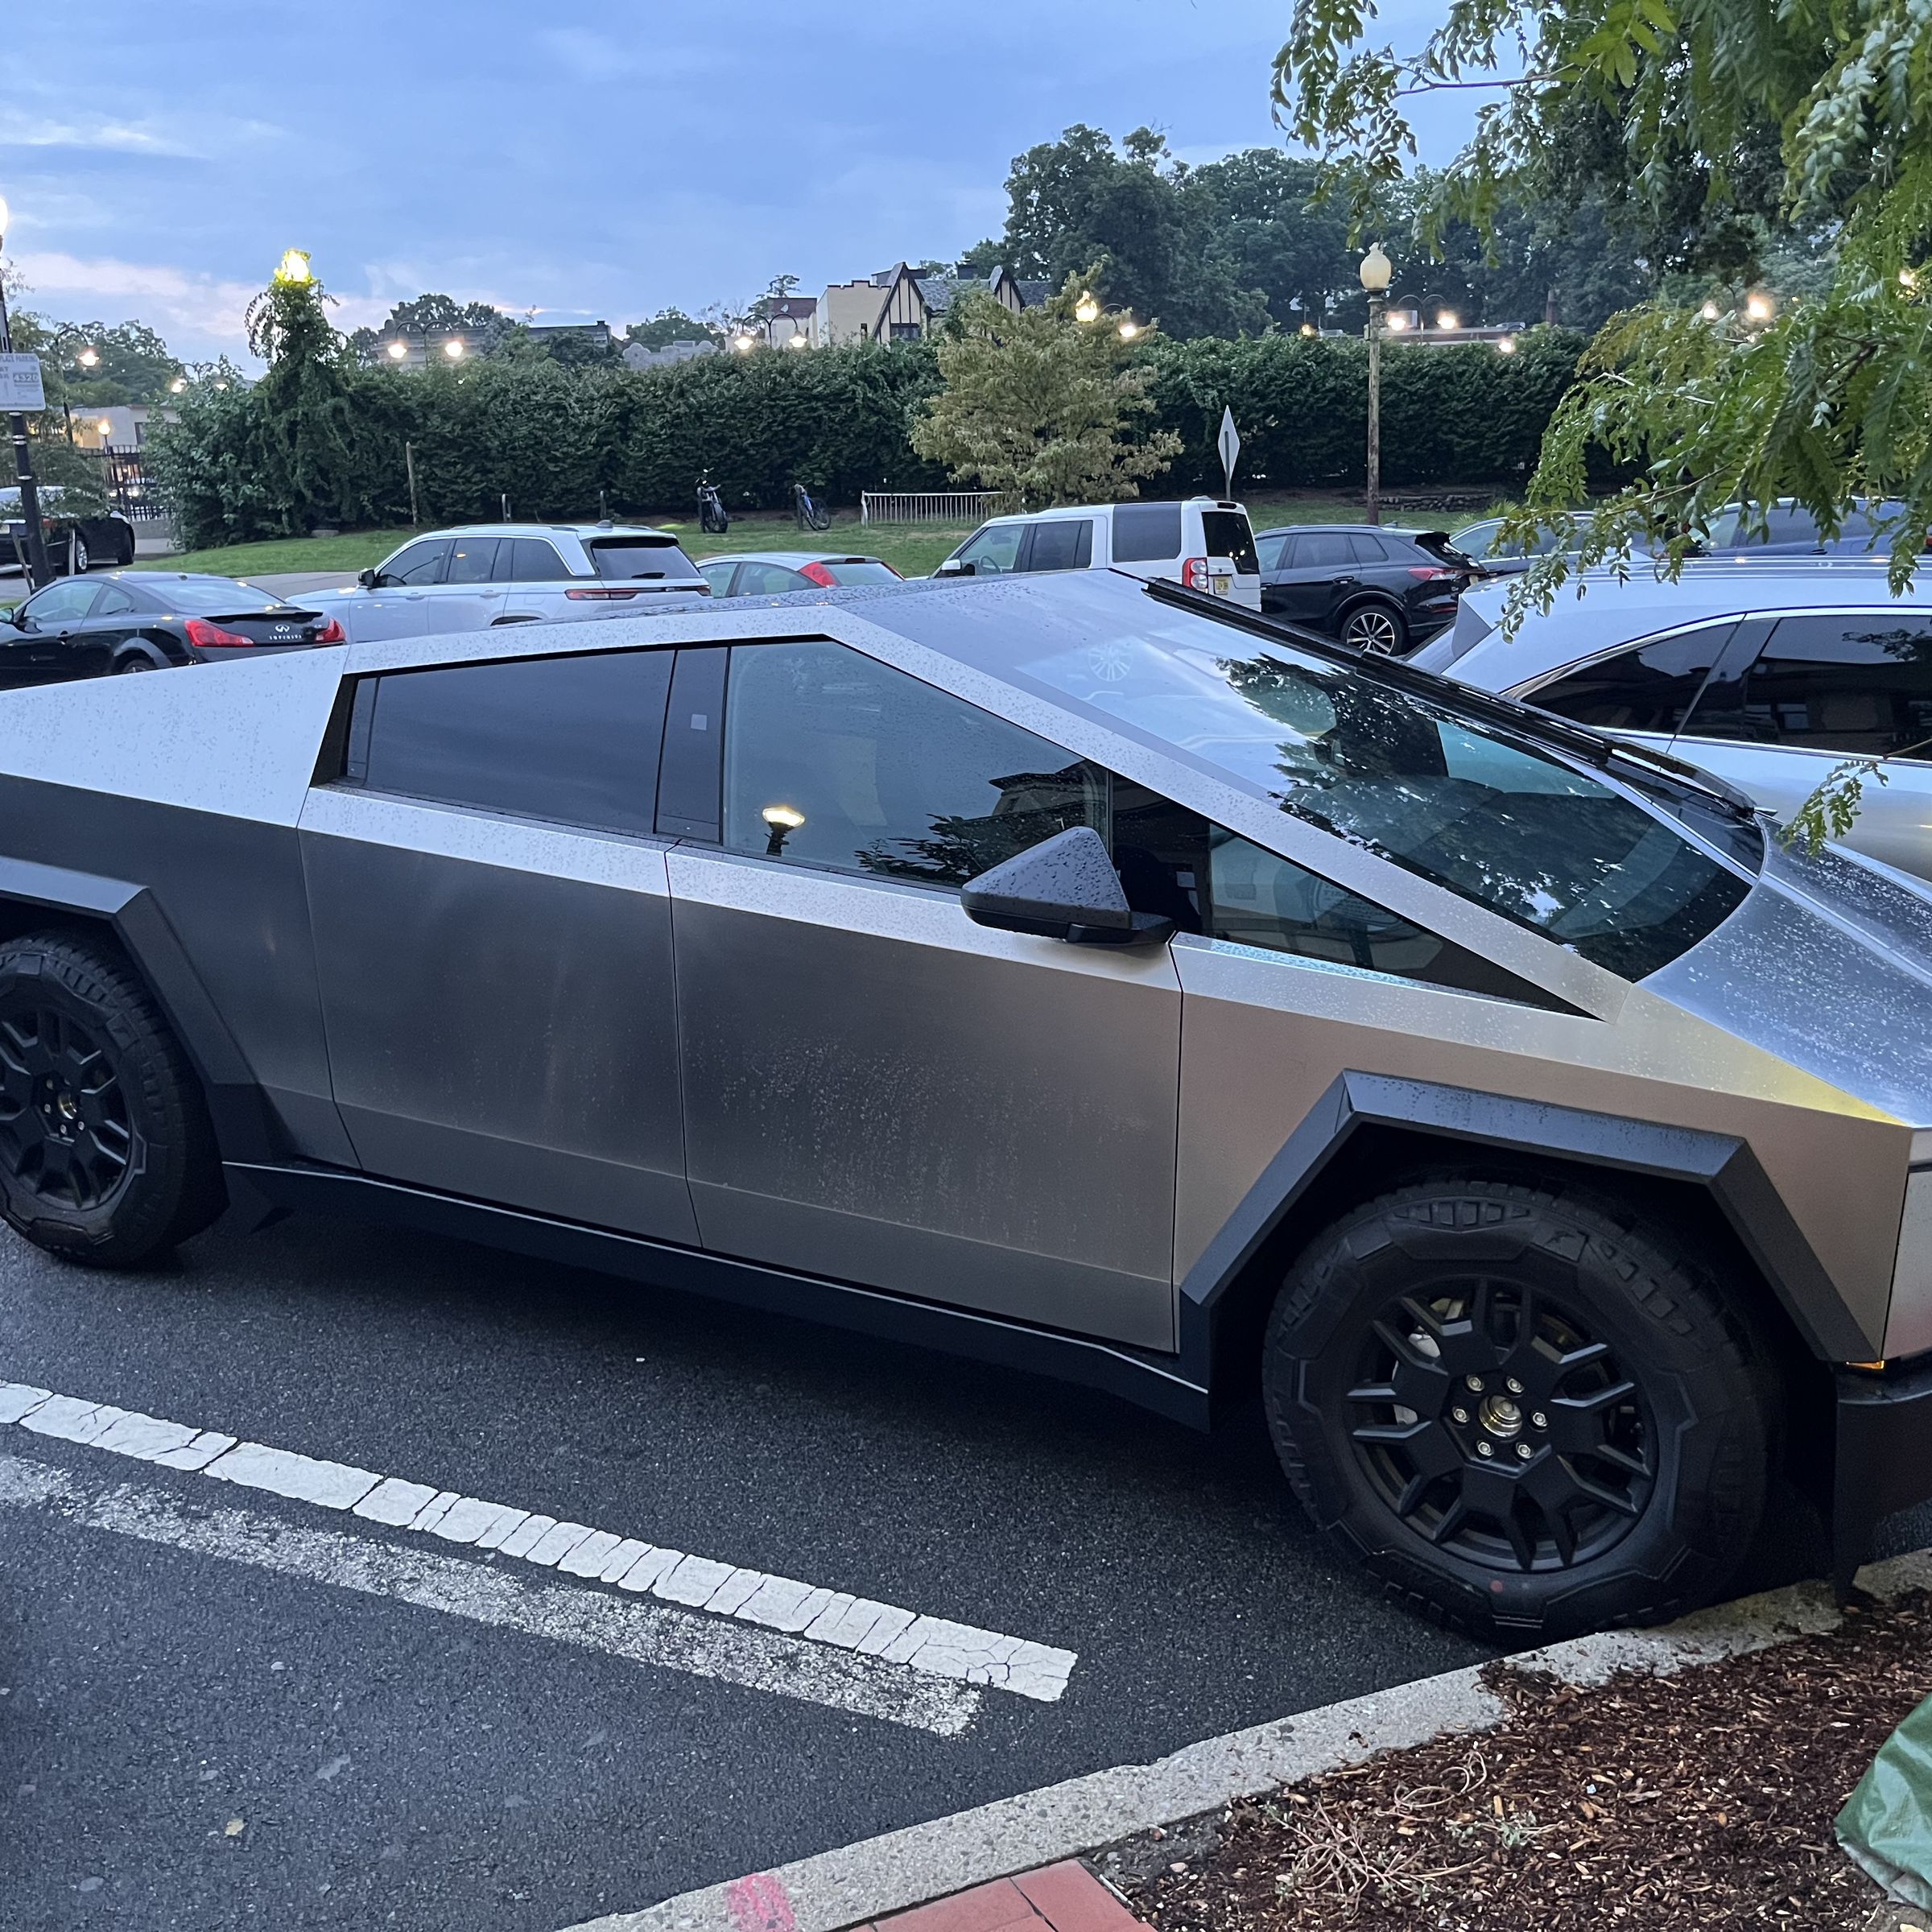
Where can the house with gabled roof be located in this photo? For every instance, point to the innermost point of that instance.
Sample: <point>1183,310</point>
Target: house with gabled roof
<point>901,304</point>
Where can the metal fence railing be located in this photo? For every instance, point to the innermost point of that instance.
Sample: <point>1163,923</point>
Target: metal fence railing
<point>931,505</point>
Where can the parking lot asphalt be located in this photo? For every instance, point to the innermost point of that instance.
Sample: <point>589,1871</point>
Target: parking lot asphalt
<point>222,1705</point>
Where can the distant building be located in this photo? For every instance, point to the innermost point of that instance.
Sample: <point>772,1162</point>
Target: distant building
<point>898,304</point>
<point>592,335</point>
<point>791,315</point>
<point>116,425</point>
<point>637,356</point>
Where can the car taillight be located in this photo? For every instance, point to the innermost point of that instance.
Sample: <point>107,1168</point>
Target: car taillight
<point>603,591</point>
<point>1196,574</point>
<point>205,636</point>
<point>331,632</point>
<point>819,574</point>
<point>1427,573</point>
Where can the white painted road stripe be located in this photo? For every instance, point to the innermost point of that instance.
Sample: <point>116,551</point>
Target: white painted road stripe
<point>638,1632</point>
<point>930,1644</point>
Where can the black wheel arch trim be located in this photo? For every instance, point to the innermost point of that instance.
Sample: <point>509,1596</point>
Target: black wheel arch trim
<point>243,1123</point>
<point>1721,1164</point>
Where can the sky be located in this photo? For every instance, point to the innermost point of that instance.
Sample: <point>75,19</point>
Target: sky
<point>602,162</point>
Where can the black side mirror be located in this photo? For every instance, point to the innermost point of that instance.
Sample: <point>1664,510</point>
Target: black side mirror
<point>1064,888</point>
<point>368,578</point>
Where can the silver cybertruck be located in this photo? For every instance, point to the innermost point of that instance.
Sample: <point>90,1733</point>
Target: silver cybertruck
<point>1075,973</point>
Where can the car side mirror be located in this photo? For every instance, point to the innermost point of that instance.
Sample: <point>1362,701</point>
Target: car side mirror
<point>368,578</point>
<point>1064,888</point>
<point>954,567</point>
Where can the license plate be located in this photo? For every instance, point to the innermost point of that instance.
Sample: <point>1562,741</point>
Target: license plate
<point>1222,586</point>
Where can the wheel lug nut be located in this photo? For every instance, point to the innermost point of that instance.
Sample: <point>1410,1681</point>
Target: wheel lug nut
<point>1483,1449</point>
<point>1538,1420</point>
<point>1514,1387</point>
<point>1459,1415</point>
<point>1474,1382</point>
<point>1525,1450</point>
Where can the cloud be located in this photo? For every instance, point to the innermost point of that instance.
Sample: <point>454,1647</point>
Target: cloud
<point>108,137</point>
<point>585,56</point>
<point>201,308</point>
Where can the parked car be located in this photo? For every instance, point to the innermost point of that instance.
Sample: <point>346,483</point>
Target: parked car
<point>1379,589</point>
<point>486,574</point>
<point>1789,531</point>
<point>771,573</point>
<point>140,620</point>
<point>76,540</point>
<point>1201,542</point>
<point>1770,674</point>
<point>1071,973</point>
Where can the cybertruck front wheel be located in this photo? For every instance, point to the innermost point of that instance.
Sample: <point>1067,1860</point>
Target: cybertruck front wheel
<point>106,1155</point>
<point>1525,1413</point>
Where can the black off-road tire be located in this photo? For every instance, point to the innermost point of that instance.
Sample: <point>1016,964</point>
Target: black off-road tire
<point>1578,1266</point>
<point>84,1048</point>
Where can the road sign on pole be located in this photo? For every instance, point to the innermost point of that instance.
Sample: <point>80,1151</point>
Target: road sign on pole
<point>1228,443</point>
<point>20,387</point>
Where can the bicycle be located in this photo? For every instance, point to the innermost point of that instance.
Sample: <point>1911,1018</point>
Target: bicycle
<point>806,511</point>
<point>714,519</point>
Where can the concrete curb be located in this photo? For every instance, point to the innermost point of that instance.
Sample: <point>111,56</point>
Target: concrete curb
<point>836,1890</point>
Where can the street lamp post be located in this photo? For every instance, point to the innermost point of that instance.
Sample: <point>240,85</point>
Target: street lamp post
<point>37,571</point>
<point>1377,269</point>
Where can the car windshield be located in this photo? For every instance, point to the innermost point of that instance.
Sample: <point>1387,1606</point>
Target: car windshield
<point>213,597</point>
<point>1490,817</point>
<point>628,557</point>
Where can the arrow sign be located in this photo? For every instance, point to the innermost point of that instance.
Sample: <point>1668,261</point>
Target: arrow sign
<point>1228,443</point>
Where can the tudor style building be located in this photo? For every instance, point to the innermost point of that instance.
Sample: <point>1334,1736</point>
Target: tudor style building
<point>900,304</point>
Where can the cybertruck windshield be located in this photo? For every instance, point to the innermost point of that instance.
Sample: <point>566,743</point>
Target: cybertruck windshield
<point>1489,815</point>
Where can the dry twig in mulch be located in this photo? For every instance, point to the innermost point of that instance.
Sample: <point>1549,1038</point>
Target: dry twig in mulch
<point>1703,1801</point>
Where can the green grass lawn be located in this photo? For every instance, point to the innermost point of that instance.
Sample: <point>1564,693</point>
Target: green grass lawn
<point>913,552</point>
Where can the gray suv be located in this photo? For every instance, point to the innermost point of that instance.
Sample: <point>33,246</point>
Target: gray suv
<point>482,575</point>
<point>1074,971</point>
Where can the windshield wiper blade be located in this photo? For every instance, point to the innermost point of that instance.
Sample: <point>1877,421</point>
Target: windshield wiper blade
<point>1579,740</point>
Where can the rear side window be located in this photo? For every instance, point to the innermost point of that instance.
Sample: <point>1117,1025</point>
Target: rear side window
<point>1373,550</point>
<point>1066,543</point>
<point>529,560</point>
<point>1227,535</point>
<point>864,570</point>
<point>634,557</point>
<point>571,739</point>
<point>419,563</point>
<point>768,579</point>
<point>1860,683</point>
<point>1322,550</point>
<point>1651,687</point>
<point>1146,533</point>
<point>833,759</point>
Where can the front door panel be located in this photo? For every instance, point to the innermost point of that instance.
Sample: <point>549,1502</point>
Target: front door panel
<point>877,1090</point>
<point>499,1007</point>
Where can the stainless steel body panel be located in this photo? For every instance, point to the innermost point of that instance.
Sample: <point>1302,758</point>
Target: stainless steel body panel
<point>499,1003</point>
<point>1266,1035</point>
<point>876,1088</point>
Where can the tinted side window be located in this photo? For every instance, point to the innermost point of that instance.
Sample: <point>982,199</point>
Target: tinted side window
<point>529,560</point>
<point>1258,899</point>
<point>1372,550</point>
<point>1323,550</point>
<point>837,759</point>
<point>574,740</point>
<point>1145,533</point>
<point>1650,687</point>
<point>471,559</point>
<point>1066,543</point>
<point>419,564</point>
<point>1859,684</point>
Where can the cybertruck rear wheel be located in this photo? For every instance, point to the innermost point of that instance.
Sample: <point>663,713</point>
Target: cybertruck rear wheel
<point>1523,1412</point>
<point>106,1155</point>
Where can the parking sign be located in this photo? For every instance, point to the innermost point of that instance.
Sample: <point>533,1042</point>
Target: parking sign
<point>20,388</point>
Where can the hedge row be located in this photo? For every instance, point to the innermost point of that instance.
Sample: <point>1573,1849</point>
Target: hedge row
<point>556,441</point>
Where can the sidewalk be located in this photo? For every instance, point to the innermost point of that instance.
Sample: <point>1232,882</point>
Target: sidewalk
<point>1066,1897</point>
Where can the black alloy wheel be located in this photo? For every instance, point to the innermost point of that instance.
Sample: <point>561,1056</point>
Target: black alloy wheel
<point>1531,1407</point>
<point>107,1155</point>
<point>1494,1425</point>
<point>65,1140</point>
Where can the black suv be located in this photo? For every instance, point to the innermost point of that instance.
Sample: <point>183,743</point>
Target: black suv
<point>1380,590</point>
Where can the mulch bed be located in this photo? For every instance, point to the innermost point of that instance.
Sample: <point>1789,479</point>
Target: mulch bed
<point>1703,1801</point>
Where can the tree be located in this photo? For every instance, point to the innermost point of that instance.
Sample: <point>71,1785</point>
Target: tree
<point>485,330</point>
<point>1715,127</point>
<point>1134,222</point>
<point>1042,405</point>
<point>670,325</point>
